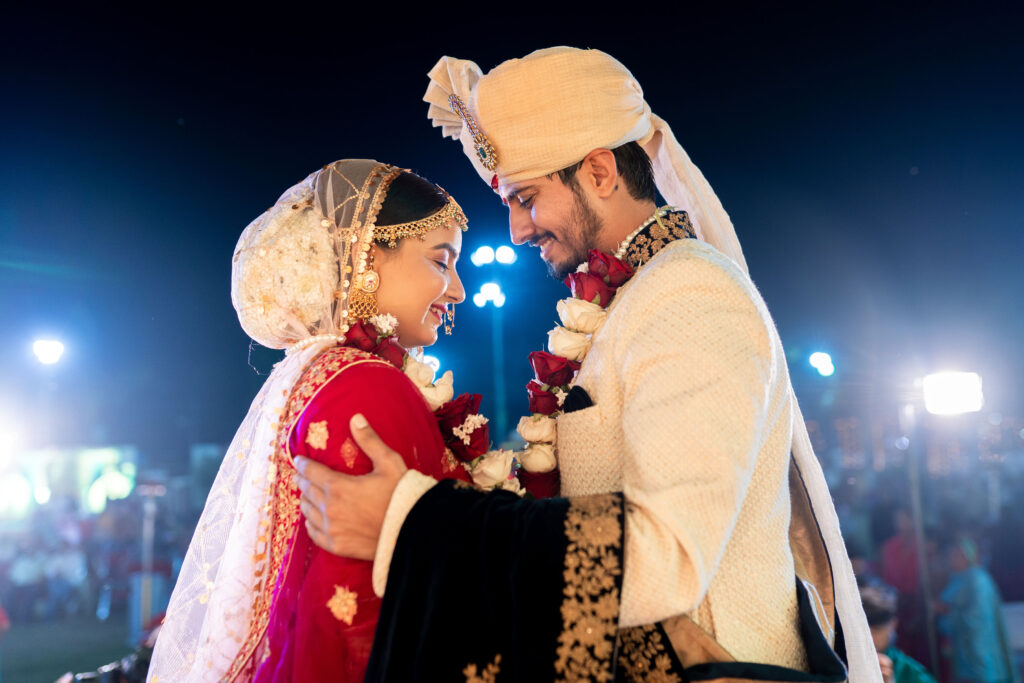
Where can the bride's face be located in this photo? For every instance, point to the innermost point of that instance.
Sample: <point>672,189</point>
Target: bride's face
<point>418,282</point>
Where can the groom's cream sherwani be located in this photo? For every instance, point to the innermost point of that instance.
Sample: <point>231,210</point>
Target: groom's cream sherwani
<point>691,420</point>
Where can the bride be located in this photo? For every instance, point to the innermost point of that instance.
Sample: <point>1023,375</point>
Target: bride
<point>350,271</point>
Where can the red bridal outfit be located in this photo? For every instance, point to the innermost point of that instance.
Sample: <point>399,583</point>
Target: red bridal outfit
<point>323,611</point>
<point>255,599</point>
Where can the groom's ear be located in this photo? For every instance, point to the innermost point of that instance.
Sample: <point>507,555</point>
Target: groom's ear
<point>600,172</point>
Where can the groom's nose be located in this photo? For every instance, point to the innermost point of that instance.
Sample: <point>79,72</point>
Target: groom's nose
<point>520,226</point>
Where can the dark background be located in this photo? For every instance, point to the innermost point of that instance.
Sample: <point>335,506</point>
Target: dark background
<point>870,160</point>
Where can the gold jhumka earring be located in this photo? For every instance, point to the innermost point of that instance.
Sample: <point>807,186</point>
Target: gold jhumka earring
<point>362,303</point>
<point>449,319</point>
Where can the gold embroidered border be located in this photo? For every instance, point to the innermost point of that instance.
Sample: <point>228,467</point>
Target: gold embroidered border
<point>280,514</point>
<point>590,608</point>
<point>674,225</point>
<point>488,675</point>
<point>643,657</point>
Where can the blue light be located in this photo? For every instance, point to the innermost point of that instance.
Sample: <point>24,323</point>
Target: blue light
<point>482,256</point>
<point>822,362</point>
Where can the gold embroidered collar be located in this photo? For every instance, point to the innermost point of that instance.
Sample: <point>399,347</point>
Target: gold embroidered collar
<point>666,226</point>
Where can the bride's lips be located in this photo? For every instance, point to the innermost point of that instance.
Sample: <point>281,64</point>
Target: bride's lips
<point>438,311</point>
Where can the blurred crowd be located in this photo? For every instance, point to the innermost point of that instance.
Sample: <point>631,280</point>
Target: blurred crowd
<point>943,588</point>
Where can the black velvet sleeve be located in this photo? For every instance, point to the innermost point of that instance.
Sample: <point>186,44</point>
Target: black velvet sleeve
<point>491,585</point>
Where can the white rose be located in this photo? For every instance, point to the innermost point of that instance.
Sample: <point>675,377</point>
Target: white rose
<point>537,428</point>
<point>539,457</point>
<point>440,392</point>
<point>581,316</point>
<point>421,374</point>
<point>568,344</point>
<point>492,468</point>
<point>514,486</point>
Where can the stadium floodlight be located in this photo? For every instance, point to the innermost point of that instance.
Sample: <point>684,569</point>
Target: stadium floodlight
<point>505,255</point>
<point>822,362</point>
<point>952,393</point>
<point>48,351</point>
<point>482,256</point>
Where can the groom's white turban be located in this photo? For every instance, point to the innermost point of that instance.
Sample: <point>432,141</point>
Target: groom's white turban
<point>533,116</point>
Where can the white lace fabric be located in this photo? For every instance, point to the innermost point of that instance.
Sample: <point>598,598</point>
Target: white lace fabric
<point>289,275</point>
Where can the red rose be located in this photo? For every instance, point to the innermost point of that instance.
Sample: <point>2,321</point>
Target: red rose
<point>362,336</point>
<point>391,352</point>
<point>590,288</point>
<point>541,484</point>
<point>453,413</point>
<point>541,400</point>
<point>551,369</point>
<point>611,270</point>
<point>479,442</point>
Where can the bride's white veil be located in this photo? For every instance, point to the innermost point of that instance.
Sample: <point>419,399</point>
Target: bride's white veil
<point>291,273</point>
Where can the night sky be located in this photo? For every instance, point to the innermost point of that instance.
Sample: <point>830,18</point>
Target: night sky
<point>871,163</point>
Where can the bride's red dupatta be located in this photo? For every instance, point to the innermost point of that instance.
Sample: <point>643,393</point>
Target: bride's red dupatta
<point>322,611</point>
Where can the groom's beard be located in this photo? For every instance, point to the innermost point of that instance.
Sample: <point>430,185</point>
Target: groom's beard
<point>580,237</point>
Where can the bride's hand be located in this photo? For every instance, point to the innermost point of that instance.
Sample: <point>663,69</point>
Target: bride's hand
<point>344,513</point>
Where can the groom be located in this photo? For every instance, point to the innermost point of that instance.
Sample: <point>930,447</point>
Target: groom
<point>695,538</point>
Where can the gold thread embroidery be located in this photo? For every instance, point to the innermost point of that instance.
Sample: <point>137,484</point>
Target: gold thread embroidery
<point>590,608</point>
<point>448,461</point>
<point>349,451</point>
<point>674,225</point>
<point>642,656</point>
<point>343,604</point>
<point>488,675</point>
<point>316,435</point>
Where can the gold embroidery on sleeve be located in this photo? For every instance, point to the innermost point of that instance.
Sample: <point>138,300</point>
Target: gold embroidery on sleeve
<point>343,604</point>
<point>316,435</point>
<point>488,675</point>
<point>642,656</point>
<point>590,608</point>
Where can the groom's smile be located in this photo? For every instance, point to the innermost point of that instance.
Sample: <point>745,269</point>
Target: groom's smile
<point>554,217</point>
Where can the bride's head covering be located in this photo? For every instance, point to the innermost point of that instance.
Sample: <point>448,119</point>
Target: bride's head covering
<point>292,273</point>
<point>531,117</point>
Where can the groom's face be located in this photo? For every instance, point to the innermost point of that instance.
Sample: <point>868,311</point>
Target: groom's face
<point>557,218</point>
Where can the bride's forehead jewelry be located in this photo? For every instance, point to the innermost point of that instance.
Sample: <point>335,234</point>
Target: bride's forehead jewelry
<point>441,218</point>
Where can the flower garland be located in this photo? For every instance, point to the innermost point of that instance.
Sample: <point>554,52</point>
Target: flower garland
<point>593,286</point>
<point>463,430</point>
<point>533,470</point>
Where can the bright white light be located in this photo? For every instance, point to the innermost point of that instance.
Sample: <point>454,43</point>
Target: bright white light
<point>15,494</point>
<point>432,361</point>
<point>489,291</point>
<point>822,362</point>
<point>42,495</point>
<point>482,256</point>
<point>952,393</point>
<point>505,254</point>
<point>112,485</point>
<point>48,351</point>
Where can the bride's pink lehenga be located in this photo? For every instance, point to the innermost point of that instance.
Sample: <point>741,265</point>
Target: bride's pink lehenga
<point>314,613</point>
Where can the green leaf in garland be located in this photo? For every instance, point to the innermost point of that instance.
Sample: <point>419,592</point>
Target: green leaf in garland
<point>597,299</point>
